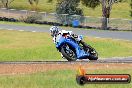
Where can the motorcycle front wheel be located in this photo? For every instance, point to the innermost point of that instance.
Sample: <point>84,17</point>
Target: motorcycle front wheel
<point>68,53</point>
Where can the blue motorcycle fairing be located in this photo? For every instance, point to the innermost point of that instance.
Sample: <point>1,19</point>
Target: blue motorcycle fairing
<point>60,42</point>
<point>80,53</point>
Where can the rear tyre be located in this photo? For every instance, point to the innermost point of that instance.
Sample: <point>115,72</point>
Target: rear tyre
<point>68,53</point>
<point>93,53</point>
<point>91,57</point>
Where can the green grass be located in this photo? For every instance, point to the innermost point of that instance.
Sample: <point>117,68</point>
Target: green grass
<point>26,46</point>
<point>119,10</point>
<point>110,47</point>
<point>23,24</point>
<point>58,79</point>
<point>20,46</point>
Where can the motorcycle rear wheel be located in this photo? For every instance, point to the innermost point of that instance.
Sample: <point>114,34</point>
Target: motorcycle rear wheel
<point>93,53</point>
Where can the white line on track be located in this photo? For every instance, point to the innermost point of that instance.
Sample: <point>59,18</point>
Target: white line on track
<point>20,30</point>
<point>115,39</point>
<point>117,57</point>
<point>33,31</point>
<point>10,29</point>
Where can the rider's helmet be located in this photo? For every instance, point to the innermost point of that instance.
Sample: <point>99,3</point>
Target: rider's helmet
<point>54,30</point>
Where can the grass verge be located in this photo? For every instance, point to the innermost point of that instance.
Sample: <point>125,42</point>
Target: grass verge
<point>28,46</point>
<point>23,24</point>
<point>58,79</point>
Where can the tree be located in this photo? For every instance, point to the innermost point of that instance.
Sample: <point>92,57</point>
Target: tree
<point>6,3</point>
<point>106,8</point>
<point>49,1</point>
<point>131,8</point>
<point>69,7</point>
<point>33,4</point>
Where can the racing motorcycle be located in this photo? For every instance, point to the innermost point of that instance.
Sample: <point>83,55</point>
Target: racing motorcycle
<point>72,49</point>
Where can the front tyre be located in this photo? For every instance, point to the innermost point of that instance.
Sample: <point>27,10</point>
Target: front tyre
<point>68,53</point>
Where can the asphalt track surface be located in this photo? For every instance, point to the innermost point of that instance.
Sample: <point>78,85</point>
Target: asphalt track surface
<point>119,35</point>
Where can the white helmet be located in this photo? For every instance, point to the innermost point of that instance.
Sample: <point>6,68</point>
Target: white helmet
<point>54,30</point>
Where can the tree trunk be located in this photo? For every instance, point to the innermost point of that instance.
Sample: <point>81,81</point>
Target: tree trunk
<point>105,15</point>
<point>105,20</point>
<point>6,5</point>
<point>104,23</point>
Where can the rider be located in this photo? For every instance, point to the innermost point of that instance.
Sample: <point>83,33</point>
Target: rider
<point>54,31</point>
<point>57,33</point>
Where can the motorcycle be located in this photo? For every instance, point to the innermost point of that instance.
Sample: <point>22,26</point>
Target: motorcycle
<point>72,49</point>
